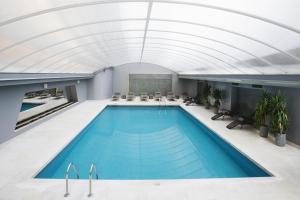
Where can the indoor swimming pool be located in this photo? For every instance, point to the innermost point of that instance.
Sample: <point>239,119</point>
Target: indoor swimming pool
<point>150,142</point>
<point>27,106</point>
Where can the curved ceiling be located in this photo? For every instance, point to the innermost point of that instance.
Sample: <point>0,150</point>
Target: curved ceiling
<point>186,36</point>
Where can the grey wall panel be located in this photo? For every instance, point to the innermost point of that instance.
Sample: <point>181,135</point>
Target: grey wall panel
<point>228,94</point>
<point>150,83</point>
<point>187,86</point>
<point>293,96</point>
<point>71,93</point>
<point>247,100</point>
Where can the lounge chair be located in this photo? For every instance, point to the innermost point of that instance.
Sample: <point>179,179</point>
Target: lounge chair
<point>184,95</point>
<point>157,96</point>
<point>240,121</point>
<point>222,113</point>
<point>44,96</point>
<point>144,96</point>
<point>187,99</point>
<point>171,96</point>
<point>130,96</point>
<point>58,96</point>
<point>116,96</point>
<point>29,95</point>
<point>191,101</point>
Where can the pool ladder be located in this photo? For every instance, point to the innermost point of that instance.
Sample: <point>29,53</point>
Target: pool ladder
<point>163,103</point>
<point>67,177</point>
<point>72,166</point>
<point>92,169</point>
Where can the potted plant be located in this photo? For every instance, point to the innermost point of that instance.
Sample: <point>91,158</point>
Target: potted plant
<point>279,118</point>
<point>217,96</point>
<point>206,93</point>
<point>262,114</point>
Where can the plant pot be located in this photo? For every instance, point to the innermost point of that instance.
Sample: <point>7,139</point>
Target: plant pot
<point>216,110</point>
<point>263,131</point>
<point>280,139</point>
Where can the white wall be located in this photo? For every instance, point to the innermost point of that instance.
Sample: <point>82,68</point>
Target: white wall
<point>11,98</point>
<point>101,86</point>
<point>10,104</point>
<point>121,75</point>
<point>81,90</point>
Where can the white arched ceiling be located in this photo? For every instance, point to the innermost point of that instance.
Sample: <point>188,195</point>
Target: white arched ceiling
<point>186,36</point>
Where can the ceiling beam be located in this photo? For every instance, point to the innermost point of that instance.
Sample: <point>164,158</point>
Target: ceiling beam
<point>146,27</point>
<point>7,79</point>
<point>292,81</point>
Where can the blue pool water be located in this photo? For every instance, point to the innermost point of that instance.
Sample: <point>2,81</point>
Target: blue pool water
<point>27,106</point>
<point>150,143</point>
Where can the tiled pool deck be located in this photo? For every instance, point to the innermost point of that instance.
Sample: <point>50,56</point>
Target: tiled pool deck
<point>23,156</point>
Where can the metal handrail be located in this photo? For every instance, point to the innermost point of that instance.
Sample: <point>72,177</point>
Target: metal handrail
<point>163,104</point>
<point>160,105</point>
<point>165,100</point>
<point>67,177</point>
<point>92,169</point>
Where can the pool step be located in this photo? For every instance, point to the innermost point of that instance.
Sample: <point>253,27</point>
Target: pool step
<point>38,116</point>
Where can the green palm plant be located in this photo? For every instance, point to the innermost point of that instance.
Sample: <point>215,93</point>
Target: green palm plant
<point>262,113</point>
<point>206,93</point>
<point>263,108</point>
<point>217,96</point>
<point>279,114</point>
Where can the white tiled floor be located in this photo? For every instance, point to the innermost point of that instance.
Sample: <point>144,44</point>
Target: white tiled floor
<point>22,157</point>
